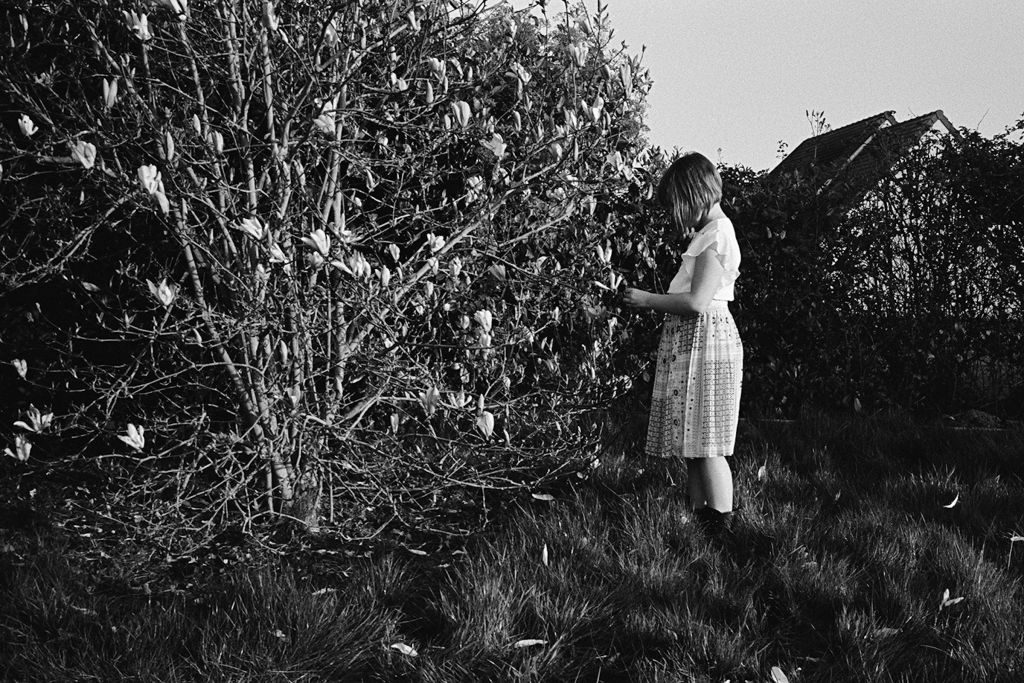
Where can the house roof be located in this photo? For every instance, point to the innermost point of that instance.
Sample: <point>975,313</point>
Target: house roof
<point>857,154</point>
<point>832,148</point>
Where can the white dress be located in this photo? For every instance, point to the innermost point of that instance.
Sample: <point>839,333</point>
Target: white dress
<point>696,398</point>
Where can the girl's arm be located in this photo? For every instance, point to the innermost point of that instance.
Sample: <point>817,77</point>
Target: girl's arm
<point>707,274</point>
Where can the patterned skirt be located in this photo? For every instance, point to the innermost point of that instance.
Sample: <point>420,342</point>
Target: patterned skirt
<point>695,405</point>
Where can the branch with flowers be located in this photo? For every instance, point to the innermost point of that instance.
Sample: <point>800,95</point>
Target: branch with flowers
<point>317,236</point>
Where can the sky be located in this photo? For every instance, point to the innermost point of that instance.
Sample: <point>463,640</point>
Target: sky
<point>733,78</point>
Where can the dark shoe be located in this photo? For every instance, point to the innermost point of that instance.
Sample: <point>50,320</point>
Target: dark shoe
<point>715,523</point>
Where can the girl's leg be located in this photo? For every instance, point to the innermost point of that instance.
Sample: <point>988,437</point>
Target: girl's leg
<point>695,483</point>
<point>717,483</point>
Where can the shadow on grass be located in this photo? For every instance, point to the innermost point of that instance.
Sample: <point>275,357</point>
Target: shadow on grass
<point>837,570</point>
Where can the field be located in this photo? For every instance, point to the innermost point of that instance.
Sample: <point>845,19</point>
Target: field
<point>848,562</point>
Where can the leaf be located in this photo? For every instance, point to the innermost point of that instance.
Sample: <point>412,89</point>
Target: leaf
<point>956,499</point>
<point>529,642</point>
<point>415,551</point>
<point>404,649</point>
<point>778,676</point>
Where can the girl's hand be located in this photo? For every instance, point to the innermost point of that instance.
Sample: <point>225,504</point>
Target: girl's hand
<point>635,298</point>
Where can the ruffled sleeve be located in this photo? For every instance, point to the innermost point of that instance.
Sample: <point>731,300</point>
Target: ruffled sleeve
<point>721,238</point>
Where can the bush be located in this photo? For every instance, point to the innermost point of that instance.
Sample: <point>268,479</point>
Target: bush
<point>263,255</point>
<point>909,300</point>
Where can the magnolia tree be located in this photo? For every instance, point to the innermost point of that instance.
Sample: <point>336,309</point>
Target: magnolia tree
<point>259,255</point>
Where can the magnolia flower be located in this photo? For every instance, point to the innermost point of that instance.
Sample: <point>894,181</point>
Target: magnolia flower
<point>456,266</point>
<point>517,71</point>
<point>498,271</point>
<point>318,240</point>
<point>485,423</point>
<point>163,292</point>
<point>331,36</point>
<point>433,264</point>
<point>462,112</point>
<point>593,110</point>
<point>84,153</point>
<point>590,201</point>
<point>517,120</point>
<point>27,126</point>
<point>414,22</point>
<point>359,266</point>
<point>485,340</point>
<point>178,7</point>
<point>570,119</point>
<point>429,399</point>
<point>109,93</point>
<point>20,366</point>
<point>277,254</point>
<point>135,437</point>
<point>485,318</point>
<point>168,145</point>
<point>436,66</point>
<point>435,243</point>
<point>37,422</point>
<point>604,254</point>
<point>325,121</point>
<point>578,54</point>
<point>398,84</point>
<point>254,228</point>
<point>314,259</point>
<point>556,150</point>
<point>394,251</point>
<point>149,178</point>
<point>385,276</point>
<point>474,185</point>
<point>139,23</point>
<point>464,321</point>
<point>626,77</point>
<point>22,448</point>
<point>217,141</point>
<point>496,145</point>
<point>428,289</point>
<point>459,399</point>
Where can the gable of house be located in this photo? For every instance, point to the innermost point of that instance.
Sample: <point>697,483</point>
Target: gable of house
<point>849,161</point>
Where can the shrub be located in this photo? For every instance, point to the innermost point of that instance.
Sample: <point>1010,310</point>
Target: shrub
<point>260,251</point>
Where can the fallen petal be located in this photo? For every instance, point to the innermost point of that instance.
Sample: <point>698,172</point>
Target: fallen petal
<point>529,642</point>
<point>404,649</point>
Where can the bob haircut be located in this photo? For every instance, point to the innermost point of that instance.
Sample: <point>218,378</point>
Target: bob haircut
<point>689,188</point>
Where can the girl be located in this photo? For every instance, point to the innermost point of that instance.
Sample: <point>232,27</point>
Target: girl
<point>696,398</point>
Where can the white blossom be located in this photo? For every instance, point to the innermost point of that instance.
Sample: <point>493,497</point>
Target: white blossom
<point>135,437</point>
<point>138,22</point>
<point>27,125</point>
<point>22,448</point>
<point>163,292</point>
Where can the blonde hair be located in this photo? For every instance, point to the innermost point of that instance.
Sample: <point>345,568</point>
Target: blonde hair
<point>689,188</point>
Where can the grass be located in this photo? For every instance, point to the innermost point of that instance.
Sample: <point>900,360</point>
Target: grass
<point>836,572</point>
